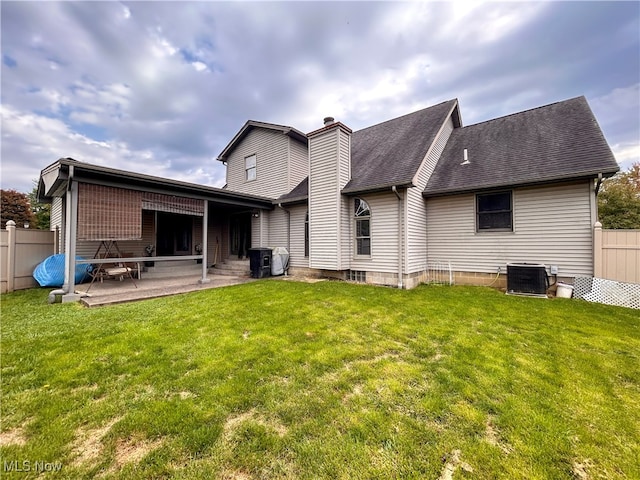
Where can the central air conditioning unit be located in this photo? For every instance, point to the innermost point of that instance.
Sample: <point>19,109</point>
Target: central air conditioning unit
<point>527,279</point>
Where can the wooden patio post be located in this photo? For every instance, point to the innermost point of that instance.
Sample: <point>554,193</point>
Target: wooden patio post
<point>597,250</point>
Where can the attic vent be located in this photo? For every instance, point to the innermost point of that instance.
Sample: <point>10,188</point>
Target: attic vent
<point>465,157</point>
<point>328,120</point>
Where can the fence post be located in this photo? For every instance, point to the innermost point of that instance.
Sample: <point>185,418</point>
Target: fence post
<point>11,255</point>
<point>597,250</point>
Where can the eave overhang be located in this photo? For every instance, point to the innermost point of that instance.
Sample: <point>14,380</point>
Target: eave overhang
<point>534,183</point>
<point>54,179</point>
<point>250,125</point>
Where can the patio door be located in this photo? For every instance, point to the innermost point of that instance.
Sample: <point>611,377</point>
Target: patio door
<point>240,234</point>
<point>175,234</point>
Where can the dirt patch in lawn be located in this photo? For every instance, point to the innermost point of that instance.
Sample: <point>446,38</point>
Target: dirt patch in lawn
<point>87,446</point>
<point>235,476</point>
<point>453,463</point>
<point>132,450</point>
<point>580,469</point>
<point>491,435</point>
<point>233,422</point>
<point>15,436</point>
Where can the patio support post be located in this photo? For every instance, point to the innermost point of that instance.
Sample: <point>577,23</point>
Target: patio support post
<point>71,228</point>
<point>205,232</point>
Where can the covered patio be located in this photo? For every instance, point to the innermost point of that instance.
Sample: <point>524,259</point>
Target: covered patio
<point>113,291</point>
<point>149,219</point>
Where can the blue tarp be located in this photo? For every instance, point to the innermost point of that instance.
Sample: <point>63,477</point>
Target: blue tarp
<point>50,273</point>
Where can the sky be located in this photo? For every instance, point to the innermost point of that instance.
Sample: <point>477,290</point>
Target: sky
<point>162,87</point>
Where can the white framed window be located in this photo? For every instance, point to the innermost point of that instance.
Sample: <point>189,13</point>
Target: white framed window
<point>357,276</point>
<point>250,167</point>
<point>494,212</point>
<point>362,215</point>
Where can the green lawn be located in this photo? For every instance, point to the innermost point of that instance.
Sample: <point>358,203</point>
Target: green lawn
<point>281,379</point>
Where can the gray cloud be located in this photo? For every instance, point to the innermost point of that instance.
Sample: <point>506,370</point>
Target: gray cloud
<point>162,87</point>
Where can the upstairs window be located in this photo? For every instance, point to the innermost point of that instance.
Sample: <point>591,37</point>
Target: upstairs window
<point>494,212</point>
<point>362,214</point>
<point>250,168</point>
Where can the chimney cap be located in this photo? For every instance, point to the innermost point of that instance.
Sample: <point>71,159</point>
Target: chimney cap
<point>328,120</point>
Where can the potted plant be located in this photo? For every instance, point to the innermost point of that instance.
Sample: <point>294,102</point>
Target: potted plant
<point>149,249</point>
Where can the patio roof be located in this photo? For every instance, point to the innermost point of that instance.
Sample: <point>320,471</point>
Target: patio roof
<point>54,180</point>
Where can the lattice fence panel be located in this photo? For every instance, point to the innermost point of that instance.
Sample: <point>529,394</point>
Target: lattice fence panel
<point>608,292</point>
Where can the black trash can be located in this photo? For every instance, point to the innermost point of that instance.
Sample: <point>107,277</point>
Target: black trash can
<point>260,262</point>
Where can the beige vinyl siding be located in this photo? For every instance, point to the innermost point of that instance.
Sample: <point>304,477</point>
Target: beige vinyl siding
<point>345,203</point>
<point>298,163</point>
<point>278,225</point>
<point>324,198</point>
<point>260,230</point>
<point>552,225</point>
<point>416,239</point>
<point>384,234</point>
<point>271,149</point>
<point>296,249</point>
<point>56,220</point>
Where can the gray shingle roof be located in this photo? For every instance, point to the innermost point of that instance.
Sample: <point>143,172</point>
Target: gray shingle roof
<point>391,152</point>
<point>388,153</point>
<point>299,194</point>
<point>546,144</point>
<point>251,124</point>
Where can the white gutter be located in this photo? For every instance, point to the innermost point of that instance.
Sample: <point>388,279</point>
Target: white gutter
<point>400,281</point>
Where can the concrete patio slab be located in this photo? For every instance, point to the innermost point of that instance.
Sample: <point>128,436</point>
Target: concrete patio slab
<point>111,292</point>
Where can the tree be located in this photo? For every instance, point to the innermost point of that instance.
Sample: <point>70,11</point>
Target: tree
<point>41,211</point>
<point>15,206</point>
<point>619,200</point>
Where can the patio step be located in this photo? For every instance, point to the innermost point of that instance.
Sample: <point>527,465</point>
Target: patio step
<point>236,268</point>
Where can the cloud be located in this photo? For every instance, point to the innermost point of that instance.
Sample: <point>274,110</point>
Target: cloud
<point>161,88</point>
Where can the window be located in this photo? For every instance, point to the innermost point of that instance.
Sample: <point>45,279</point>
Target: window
<point>363,227</point>
<point>250,167</point>
<point>357,276</point>
<point>306,235</point>
<point>494,211</point>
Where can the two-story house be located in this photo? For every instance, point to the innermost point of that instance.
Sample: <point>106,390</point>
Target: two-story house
<point>377,205</point>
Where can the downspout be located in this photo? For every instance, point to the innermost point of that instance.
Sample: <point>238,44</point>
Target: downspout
<point>286,270</point>
<point>594,200</point>
<point>599,184</point>
<point>400,281</point>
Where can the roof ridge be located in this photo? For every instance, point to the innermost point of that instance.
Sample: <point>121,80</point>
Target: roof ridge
<point>405,115</point>
<point>525,111</point>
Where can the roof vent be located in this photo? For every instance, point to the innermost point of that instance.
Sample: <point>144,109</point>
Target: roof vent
<point>465,157</point>
<point>328,120</point>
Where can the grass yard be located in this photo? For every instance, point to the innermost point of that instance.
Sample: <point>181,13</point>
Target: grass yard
<point>279,379</point>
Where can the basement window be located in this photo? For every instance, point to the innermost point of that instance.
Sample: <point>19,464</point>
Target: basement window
<point>357,276</point>
<point>494,212</point>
